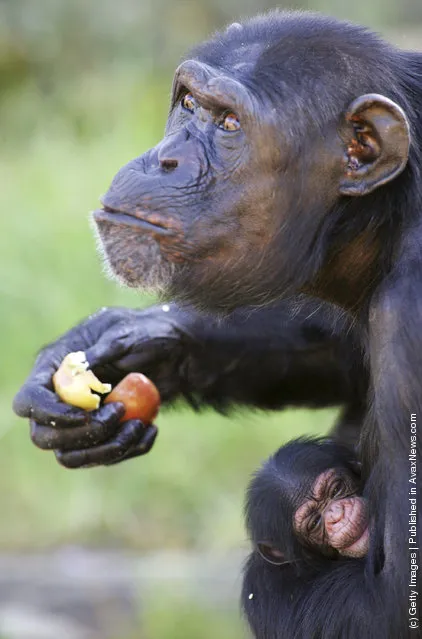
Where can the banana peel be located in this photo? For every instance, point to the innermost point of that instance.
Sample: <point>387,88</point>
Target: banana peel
<point>74,383</point>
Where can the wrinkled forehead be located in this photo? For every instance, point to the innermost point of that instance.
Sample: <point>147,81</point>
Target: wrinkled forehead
<point>234,51</point>
<point>316,490</point>
<point>302,487</point>
<point>261,91</point>
<point>301,471</point>
<point>307,68</point>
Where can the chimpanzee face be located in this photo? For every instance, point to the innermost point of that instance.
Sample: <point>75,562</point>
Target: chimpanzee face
<point>261,148</point>
<point>334,516</point>
<point>332,519</point>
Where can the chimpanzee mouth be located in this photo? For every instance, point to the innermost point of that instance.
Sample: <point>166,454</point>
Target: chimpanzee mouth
<point>359,547</point>
<point>137,221</point>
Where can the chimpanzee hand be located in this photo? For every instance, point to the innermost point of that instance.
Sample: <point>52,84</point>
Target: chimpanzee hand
<point>267,359</point>
<point>116,341</point>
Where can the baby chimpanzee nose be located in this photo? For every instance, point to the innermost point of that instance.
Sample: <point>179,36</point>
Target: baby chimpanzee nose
<point>334,513</point>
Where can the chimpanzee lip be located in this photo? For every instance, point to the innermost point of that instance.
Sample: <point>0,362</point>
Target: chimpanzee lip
<point>116,216</point>
<point>363,538</point>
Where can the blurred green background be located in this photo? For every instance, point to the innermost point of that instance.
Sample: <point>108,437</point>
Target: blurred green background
<point>84,87</point>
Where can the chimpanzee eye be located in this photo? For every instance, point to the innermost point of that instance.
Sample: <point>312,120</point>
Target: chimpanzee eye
<point>314,522</point>
<point>230,122</point>
<point>189,102</point>
<point>337,488</point>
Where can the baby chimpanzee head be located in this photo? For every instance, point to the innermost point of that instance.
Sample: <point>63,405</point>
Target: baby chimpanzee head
<point>306,500</point>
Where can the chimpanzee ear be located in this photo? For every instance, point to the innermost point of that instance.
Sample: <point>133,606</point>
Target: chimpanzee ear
<point>377,141</point>
<point>270,553</point>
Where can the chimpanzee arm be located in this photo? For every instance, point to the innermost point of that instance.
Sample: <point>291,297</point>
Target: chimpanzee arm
<point>393,455</point>
<point>283,355</point>
<point>301,354</point>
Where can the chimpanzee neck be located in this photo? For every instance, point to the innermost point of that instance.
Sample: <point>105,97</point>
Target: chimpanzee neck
<point>350,273</point>
<point>368,240</point>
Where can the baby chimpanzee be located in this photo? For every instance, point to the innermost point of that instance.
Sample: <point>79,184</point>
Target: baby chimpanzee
<point>310,528</point>
<point>306,501</point>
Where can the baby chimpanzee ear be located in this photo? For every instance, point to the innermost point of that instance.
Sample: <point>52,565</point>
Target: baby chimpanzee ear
<point>271,554</point>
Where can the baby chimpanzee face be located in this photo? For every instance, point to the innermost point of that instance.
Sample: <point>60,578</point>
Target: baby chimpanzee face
<point>306,502</point>
<point>333,516</point>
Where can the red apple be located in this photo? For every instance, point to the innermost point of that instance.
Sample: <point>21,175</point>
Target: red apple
<point>139,395</point>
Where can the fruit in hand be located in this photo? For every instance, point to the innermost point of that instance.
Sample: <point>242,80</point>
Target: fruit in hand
<point>74,383</point>
<point>139,395</point>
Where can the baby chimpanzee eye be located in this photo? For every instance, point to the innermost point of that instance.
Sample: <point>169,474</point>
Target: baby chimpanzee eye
<point>314,522</point>
<point>337,488</point>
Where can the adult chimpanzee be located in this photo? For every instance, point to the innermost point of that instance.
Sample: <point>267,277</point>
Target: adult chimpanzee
<point>309,524</point>
<point>291,163</point>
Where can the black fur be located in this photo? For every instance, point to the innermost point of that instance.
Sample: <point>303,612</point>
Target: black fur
<point>310,596</point>
<point>227,221</point>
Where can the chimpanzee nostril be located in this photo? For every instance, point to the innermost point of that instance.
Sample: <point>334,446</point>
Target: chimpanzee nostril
<point>168,163</point>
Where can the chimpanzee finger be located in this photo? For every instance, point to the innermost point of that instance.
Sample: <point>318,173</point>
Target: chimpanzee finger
<point>97,432</point>
<point>130,433</point>
<point>104,352</point>
<point>45,407</point>
<point>142,448</point>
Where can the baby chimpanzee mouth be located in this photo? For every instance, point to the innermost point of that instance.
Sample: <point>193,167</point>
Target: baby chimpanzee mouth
<point>360,547</point>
